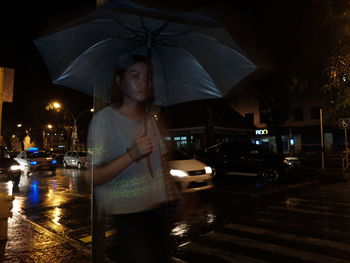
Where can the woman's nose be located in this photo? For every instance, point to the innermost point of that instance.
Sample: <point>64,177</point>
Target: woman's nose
<point>143,81</point>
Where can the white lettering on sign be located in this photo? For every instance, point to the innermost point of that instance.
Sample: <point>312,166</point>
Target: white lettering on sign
<point>344,123</point>
<point>261,132</point>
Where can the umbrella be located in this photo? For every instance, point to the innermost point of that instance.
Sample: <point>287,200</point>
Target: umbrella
<point>193,56</point>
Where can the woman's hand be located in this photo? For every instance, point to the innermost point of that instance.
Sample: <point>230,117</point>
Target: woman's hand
<point>141,147</point>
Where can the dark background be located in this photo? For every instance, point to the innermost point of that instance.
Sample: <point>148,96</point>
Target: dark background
<point>291,35</point>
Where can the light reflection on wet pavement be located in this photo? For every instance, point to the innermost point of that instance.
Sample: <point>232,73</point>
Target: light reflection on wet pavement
<point>61,204</point>
<point>52,205</point>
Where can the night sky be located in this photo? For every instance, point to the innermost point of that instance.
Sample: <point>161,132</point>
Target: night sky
<point>273,33</point>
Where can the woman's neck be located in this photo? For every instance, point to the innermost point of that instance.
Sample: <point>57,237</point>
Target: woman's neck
<point>134,111</point>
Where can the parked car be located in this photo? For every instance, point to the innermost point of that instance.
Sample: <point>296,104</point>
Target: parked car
<point>10,170</point>
<point>78,159</point>
<point>190,174</point>
<point>58,156</point>
<point>249,159</point>
<point>35,160</point>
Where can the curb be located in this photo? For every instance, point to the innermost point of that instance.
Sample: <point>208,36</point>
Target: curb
<point>74,243</point>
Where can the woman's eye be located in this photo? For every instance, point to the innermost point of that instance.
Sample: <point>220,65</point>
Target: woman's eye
<point>135,75</point>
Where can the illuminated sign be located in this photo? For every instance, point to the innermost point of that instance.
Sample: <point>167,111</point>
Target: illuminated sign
<point>261,132</point>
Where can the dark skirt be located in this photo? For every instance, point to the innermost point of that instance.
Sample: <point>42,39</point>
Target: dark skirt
<point>143,237</point>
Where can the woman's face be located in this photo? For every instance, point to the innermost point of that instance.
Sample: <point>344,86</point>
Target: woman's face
<point>134,84</point>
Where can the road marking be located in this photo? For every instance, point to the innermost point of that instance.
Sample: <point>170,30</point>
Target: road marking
<point>273,248</point>
<point>323,213</point>
<point>223,255</point>
<point>109,233</point>
<point>288,236</point>
<point>316,199</point>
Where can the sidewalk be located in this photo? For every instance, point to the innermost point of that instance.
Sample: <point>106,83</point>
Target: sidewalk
<point>28,242</point>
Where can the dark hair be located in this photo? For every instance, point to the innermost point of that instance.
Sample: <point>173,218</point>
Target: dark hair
<point>124,62</point>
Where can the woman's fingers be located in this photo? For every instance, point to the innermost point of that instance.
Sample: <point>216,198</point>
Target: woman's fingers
<point>144,145</point>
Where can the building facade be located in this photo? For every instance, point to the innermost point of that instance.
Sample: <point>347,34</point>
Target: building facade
<point>195,126</point>
<point>301,132</point>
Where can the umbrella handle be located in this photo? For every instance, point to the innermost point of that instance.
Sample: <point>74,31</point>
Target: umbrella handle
<point>148,157</point>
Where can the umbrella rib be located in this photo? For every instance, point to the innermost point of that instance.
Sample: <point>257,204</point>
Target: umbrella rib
<point>143,24</point>
<point>159,30</point>
<point>125,38</point>
<point>137,32</point>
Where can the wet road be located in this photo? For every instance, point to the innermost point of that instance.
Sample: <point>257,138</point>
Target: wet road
<point>56,206</point>
<point>300,226</point>
<point>309,225</point>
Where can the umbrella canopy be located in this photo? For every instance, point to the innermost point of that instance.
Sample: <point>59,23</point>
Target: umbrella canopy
<point>193,57</point>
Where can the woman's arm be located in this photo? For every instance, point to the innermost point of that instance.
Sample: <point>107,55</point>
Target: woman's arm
<point>98,175</point>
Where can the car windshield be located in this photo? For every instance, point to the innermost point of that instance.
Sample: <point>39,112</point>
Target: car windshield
<point>176,154</point>
<point>38,154</point>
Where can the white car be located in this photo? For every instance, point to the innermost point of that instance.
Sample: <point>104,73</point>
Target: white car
<point>191,175</point>
<point>35,160</point>
<point>78,159</point>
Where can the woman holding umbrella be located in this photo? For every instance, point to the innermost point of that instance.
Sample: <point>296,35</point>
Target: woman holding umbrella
<point>122,137</point>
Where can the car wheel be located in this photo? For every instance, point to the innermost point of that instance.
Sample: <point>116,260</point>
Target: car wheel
<point>79,165</point>
<point>270,175</point>
<point>65,165</point>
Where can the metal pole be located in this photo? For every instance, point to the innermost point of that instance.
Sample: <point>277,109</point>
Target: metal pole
<point>2,72</point>
<point>346,138</point>
<point>346,147</point>
<point>74,131</point>
<point>322,143</point>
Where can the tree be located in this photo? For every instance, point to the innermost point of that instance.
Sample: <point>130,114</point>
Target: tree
<point>337,72</point>
<point>337,87</point>
<point>278,93</point>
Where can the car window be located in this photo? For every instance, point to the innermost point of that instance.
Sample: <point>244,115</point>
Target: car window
<point>37,154</point>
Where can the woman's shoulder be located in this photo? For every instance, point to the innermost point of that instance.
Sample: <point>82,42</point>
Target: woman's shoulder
<point>106,111</point>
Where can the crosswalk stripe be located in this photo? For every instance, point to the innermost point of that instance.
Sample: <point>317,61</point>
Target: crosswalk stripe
<point>263,220</point>
<point>313,201</point>
<point>273,248</point>
<point>223,255</point>
<point>291,237</point>
<point>317,206</point>
<point>345,195</point>
<point>323,213</point>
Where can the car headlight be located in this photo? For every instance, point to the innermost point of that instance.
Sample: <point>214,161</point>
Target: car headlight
<point>178,173</point>
<point>15,167</point>
<point>288,162</point>
<point>208,170</point>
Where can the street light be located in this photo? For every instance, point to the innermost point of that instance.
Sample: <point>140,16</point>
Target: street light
<point>45,138</point>
<point>56,105</point>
